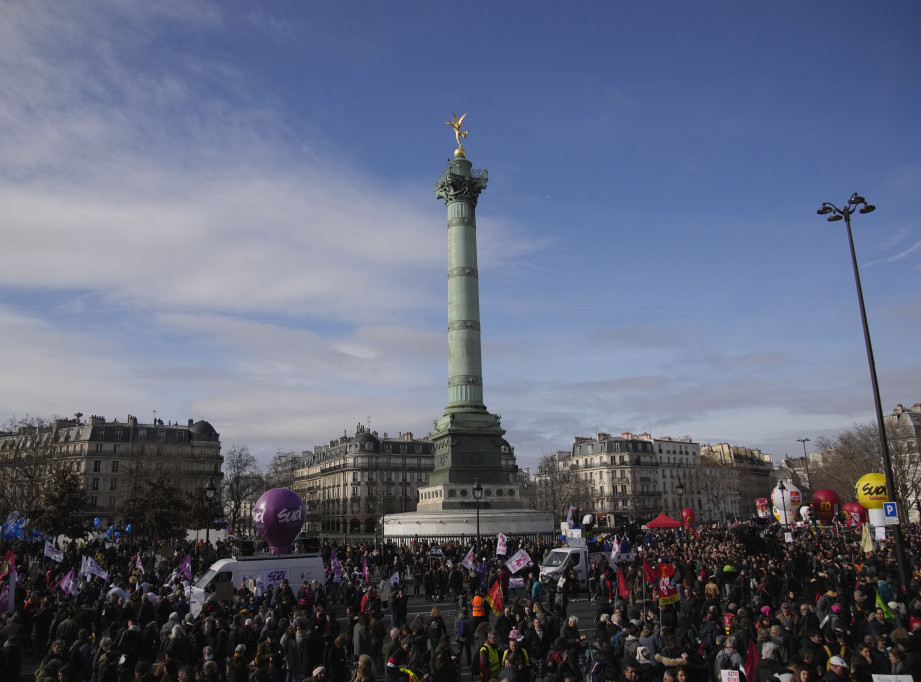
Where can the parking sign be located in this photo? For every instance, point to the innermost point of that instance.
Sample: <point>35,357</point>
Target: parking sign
<point>891,513</point>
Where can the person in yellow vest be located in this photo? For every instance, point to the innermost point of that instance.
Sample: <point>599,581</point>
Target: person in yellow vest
<point>514,647</point>
<point>489,658</point>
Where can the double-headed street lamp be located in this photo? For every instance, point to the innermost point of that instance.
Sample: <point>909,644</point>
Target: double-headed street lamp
<point>859,205</point>
<point>806,461</point>
<point>680,490</point>
<point>477,495</point>
<point>209,495</point>
<point>783,502</point>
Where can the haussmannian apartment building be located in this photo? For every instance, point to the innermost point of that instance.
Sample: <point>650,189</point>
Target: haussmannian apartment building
<point>112,454</point>
<point>350,482</point>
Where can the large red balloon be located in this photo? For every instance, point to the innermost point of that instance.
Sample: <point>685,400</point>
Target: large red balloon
<point>825,501</point>
<point>856,514</point>
<point>688,516</point>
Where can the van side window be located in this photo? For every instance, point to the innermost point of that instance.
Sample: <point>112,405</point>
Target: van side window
<point>222,577</point>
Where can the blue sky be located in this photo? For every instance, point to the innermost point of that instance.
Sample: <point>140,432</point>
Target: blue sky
<point>226,211</point>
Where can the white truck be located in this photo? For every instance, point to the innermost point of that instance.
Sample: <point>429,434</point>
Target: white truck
<point>575,555</point>
<point>258,571</point>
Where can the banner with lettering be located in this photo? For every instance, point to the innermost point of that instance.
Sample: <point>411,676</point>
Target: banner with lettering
<point>274,576</point>
<point>519,560</point>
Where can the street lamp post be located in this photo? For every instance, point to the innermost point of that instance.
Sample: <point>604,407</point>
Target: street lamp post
<point>209,495</point>
<point>859,204</point>
<point>477,495</point>
<point>783,502</point>
<point>806,461</point>
<point>680,490</point>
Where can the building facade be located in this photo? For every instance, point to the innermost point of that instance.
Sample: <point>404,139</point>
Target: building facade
<point>618,476</point>
<point>350,482</point>
<point>679,469</point>
<point>754,473</point>
<point>113,456</point>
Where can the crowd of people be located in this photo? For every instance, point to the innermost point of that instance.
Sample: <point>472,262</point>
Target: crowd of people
<point>819,607</point>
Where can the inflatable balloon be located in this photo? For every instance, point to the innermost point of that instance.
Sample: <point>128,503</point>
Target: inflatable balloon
<point>763,507</point>
<point>791,516</point>
<point>871,491</point>
<point>687,517</point>
<point>790,498</point>
<point>825,501</point>
<point>278,516</point>
<point>855,514</point>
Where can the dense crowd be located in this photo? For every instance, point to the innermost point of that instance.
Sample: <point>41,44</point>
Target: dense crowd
<point>818,607</point>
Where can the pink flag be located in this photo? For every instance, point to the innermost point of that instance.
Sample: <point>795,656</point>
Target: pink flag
<point>468,560</point>
<point>366,572</point>
<point>185,567</point>
<point>520,559</point>
<point>138,564</point>
<point>501,544</point>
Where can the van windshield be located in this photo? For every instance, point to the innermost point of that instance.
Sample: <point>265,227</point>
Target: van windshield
<point>205,579</point>
<point>555,559</point>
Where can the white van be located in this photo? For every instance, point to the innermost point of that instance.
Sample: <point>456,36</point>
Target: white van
<point>263,570</point>
<point>575,555</point>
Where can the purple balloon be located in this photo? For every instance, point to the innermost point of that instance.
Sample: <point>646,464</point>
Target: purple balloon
<point>278,516</point>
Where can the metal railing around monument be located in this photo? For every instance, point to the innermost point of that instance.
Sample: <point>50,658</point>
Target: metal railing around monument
<point>463,540</point>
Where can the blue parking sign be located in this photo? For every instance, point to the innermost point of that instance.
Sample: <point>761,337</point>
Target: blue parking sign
<point>890,511</point>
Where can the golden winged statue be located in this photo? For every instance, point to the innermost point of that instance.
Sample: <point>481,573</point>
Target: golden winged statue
<point>456,124</point>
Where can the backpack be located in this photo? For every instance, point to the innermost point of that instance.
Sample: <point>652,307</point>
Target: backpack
<point>617,643</point>
<point>81,657</point>
<point>461,630</point>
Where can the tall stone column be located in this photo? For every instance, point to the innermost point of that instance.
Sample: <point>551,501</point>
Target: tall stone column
<point>460,188</point>
<point>468,439</point>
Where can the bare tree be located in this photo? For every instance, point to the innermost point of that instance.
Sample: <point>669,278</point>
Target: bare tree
<point>280,473</point>
<point>27,453</point>
<point>712,486</point>
<point>243,484</point>
<point>558,488</point>
<point>62,503</point>
<point>858,451</point>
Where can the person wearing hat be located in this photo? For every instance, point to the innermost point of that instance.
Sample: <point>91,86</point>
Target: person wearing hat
<point>516,648</point>
<point>319,674</point>
<point>444,669</point>
<point>398,659</point>
<point>837,670</point>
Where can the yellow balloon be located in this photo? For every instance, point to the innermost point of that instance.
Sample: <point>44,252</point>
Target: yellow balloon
<point>871,491</point>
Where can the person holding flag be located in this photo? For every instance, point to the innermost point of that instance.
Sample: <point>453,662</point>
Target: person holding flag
<point>494,597</point>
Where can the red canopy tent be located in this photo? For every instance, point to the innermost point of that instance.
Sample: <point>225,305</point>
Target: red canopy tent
<point>663,521</point>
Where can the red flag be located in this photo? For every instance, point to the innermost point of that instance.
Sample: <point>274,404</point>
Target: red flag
<point>694,531</point>
<point>649,575</point>
<point>494,597</point>
<point>751,660</point>
<point>622,588</point>
<point>8,561</point>
<point>668,593</point>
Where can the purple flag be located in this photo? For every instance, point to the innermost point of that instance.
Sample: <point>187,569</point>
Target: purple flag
<point>138,564</point>
<point>367,573</point>
<point>334,564</point>
<point>68,583</point>
<point>185,567</point>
